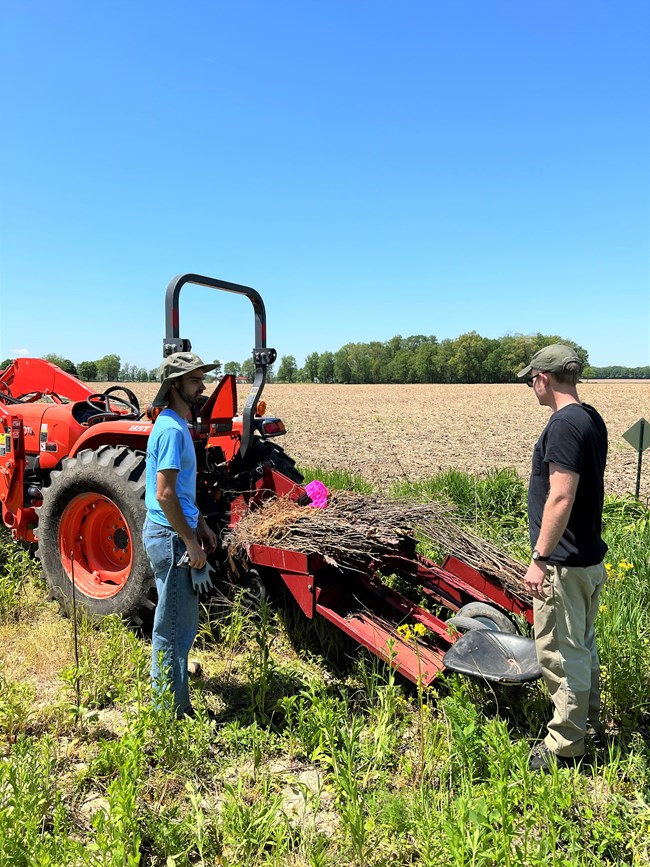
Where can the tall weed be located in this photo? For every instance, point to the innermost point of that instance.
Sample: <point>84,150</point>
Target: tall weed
<point>17,571</point>
<point>113,663</point>
<point>117,830</point>
<point>253,827</point>
<point>16,708</point>
<point>496,495</point>
<point>623,624</point>
<point>34,825</point>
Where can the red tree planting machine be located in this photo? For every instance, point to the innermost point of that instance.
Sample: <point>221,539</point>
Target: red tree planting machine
<point>72,478</point>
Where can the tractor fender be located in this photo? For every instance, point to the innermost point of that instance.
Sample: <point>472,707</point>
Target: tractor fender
<point>133,434</point>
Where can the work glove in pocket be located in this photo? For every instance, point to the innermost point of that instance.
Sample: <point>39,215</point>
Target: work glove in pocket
<point>201,581</point>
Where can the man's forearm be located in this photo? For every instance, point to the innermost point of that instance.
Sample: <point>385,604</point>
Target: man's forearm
<point>174,513</point>
<point>170,504</point>
<point>555,518</point>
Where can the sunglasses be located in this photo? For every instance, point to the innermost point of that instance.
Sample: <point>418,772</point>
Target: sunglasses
<point>529,382</point>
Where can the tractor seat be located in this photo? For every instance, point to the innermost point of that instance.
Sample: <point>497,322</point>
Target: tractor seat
<point>84,414</point>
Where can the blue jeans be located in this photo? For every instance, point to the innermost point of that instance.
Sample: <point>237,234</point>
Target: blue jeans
<point>176,618</point>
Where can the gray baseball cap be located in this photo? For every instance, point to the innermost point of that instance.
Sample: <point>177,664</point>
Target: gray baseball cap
<point>175,366</point>
<point>551,359</point>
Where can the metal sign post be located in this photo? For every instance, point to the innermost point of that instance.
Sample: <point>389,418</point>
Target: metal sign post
<point>638,436</point>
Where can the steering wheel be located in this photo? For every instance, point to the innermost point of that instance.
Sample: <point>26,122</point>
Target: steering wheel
<point>5,393</point>
<point>101,403</point>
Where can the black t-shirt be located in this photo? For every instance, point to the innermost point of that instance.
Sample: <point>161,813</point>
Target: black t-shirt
<point>574,438</point>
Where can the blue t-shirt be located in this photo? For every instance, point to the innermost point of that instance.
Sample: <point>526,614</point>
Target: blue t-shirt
<point>170,447</point>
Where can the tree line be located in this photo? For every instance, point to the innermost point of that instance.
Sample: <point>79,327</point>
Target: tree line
<point>469,358</point>
<point>109,368</point>
<point>615,372</point>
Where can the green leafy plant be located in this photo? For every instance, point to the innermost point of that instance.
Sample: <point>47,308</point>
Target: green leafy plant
<point>253,824</point>
<point>34,824</point>
<point>16,708</point>
<point>117,830</point>
<point>113,663</point>
<point>18,572</point>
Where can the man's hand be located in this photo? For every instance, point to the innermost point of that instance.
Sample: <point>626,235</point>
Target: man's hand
<point>534,578</point>
<point>207,538</point>
<point>196,553</point>
<point>563,485</point>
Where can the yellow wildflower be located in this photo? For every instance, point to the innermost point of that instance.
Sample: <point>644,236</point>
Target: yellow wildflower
<point>405,631</point>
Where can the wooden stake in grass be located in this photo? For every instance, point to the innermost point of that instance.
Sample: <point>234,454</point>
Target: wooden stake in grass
<point>77,676</point>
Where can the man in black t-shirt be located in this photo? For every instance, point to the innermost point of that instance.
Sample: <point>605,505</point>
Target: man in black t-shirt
<point>566,573</point>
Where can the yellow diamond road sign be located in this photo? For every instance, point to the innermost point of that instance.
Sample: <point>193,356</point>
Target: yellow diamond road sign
<point>638,435</point>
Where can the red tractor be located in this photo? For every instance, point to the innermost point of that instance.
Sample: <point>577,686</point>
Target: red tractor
<point>72,478</point>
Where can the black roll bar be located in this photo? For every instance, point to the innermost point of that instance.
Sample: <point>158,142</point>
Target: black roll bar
<point>263,356</point>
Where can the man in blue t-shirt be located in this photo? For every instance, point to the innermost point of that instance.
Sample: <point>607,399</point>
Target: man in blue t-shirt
<point>174,525</point>
<point>566,572</point>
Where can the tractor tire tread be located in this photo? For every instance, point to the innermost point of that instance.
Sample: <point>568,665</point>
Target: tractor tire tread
<point>117,472</point>
<point>263,450</point>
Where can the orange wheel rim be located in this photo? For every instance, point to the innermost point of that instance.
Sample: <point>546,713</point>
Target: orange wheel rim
<point>94,530</point>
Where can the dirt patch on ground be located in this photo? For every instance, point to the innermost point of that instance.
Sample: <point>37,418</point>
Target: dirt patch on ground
<point>389,432</point>
<point>36,655</point>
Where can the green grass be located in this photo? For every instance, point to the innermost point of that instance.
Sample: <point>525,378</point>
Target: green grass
<point>496,495</point>
<point>315,765</point>
<point>339,480</point>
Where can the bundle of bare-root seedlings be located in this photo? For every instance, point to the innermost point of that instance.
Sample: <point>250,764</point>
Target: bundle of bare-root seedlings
<point>354,530</point>
<point>454,538</point>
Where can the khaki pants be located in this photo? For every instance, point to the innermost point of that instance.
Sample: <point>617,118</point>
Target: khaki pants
<point>566,649</point>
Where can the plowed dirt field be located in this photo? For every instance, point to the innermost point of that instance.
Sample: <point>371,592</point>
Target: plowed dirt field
<point>388,432</point>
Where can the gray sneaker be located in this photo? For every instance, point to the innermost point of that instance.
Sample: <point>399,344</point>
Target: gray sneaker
<point>543,759</point>
<point>194,668</point>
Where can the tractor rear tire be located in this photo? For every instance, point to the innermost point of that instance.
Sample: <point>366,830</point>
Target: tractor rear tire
<point>90,528</point>
<point>263,451</point>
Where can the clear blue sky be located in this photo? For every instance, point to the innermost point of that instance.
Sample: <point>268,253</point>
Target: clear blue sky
<point>371,167</point>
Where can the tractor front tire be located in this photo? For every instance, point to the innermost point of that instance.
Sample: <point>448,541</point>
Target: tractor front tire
<point>90,532</point>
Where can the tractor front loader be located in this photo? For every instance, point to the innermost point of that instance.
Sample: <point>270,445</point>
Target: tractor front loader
<point>72,477</point>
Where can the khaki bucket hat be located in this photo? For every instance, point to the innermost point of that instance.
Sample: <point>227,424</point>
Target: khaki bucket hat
<point>175,366</point>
